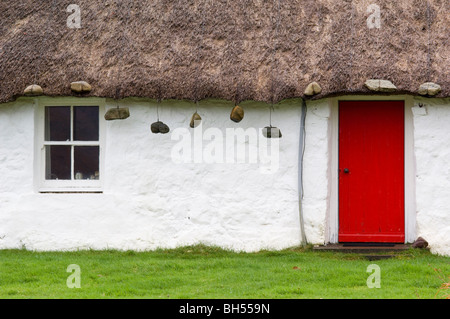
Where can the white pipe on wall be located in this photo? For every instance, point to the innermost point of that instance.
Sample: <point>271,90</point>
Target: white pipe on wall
<point>301,150</point>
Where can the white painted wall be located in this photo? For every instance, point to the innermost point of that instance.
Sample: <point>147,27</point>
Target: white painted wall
<point>315,171</point>
<point>431,157</point>
<point>148,200</point>
<point>432,152</point>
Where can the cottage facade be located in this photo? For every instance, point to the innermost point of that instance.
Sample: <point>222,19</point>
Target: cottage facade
<point>363,155</point>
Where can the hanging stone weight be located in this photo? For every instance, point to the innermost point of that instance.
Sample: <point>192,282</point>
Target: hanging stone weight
<point>429,88</point>
<point>155,127</point>
<point>237,114</point>
<point>163,128</point>
<point>195,120</point>
<point>271,132</point>
<point>312,89</point>
<point>380,85</point>
<point>119,113</point>
<point>33,90</point>
<point>80,87</point>
<point>159,127</point>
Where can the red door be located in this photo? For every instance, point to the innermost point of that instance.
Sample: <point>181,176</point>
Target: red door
<point>371,171</point>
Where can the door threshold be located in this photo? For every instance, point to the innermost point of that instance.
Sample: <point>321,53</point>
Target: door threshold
<point>363,247</point>
<point>368,244</point>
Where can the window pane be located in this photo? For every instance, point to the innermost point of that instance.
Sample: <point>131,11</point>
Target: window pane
<point>85,123</point>
<point>57,123</point>
<point>57,162</point>
<point>86,162</point>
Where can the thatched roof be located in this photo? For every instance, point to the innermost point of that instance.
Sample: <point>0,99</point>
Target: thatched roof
<point>234,50</point>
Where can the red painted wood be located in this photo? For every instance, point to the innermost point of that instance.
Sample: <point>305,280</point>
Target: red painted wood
<point>371,194</point>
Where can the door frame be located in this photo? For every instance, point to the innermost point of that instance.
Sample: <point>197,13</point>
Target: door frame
<point>332,219</point>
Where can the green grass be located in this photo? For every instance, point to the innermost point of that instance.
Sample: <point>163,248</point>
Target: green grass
<point>209,272</point>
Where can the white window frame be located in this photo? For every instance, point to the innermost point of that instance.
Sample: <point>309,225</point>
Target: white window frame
<point>73,185</point>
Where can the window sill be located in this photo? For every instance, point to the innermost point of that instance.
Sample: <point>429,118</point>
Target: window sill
<point>70,190</point>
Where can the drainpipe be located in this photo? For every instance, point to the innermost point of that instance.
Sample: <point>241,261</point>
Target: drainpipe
<point>301,152</point>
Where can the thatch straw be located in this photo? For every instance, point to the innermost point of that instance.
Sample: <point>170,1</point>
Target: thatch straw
<point>235,50</point>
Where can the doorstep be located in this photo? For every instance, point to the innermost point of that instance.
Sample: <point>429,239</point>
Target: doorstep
<point>373,249</point>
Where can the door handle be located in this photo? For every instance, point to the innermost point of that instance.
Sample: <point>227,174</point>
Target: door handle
<point>346,170</point>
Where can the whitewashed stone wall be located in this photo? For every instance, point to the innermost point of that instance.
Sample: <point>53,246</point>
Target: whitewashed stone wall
<point>149,201</point>
<point>432,152</point>
<point>315,171</point>
<point>432,171</point>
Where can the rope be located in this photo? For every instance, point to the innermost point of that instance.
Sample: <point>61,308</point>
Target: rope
<point>274,61</point>
<point>46,38</point>
<point>239,31</point>
<point>199,54</point>
<point>429,42</point>
<point>352,49</point>
<point>157,109</point>
<point>270,115</point>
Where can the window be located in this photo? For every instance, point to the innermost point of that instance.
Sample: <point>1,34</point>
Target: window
<point>70,138</point>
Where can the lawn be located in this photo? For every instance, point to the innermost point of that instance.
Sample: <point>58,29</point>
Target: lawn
<point>208,272</point>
